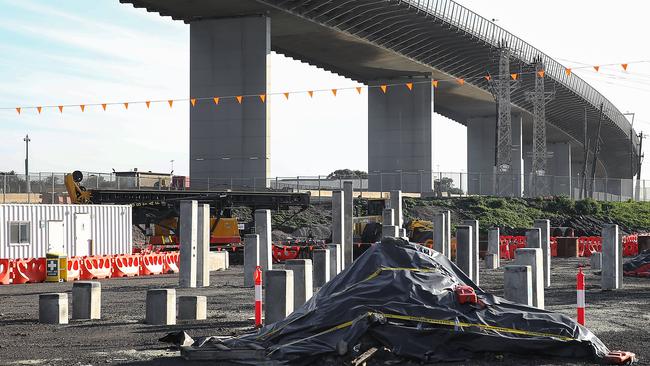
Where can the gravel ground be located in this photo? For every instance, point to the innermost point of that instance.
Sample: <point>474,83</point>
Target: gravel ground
<point>620,318</point>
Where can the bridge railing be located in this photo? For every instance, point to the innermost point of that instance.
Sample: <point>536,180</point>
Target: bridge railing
<point>485,30</point>
<point>50,188</point>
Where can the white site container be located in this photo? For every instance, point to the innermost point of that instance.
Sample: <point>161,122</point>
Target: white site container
<point>76,230</point>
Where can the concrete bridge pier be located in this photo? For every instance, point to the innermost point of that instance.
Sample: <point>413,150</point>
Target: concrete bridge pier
<point>481,156</point>
<point>228,57</point>
<point>400,138</point>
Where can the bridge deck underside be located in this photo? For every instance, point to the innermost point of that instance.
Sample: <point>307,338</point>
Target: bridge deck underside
<point>370,40</point>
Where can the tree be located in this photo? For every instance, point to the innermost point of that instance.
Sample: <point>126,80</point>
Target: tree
<point>347,174</point>
<point>446,184</point>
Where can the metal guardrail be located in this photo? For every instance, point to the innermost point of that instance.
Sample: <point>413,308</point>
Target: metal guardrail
<point>485,30</point>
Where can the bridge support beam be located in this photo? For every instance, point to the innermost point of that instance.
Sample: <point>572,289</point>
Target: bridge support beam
<point>400,139</point>
<point>229,141</point>
<point>481,156</point>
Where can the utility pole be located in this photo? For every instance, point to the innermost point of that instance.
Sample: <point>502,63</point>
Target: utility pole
<point>540,98</point>
<point>29,188</point>
<point>501,89</point>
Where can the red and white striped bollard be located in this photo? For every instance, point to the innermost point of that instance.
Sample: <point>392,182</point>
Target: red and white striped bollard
<point>580,279</point>
<point>258,297</point>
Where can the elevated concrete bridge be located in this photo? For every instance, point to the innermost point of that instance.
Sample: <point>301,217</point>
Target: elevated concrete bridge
<point>379,42</point>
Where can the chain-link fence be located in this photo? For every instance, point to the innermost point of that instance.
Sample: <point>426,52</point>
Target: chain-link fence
<point>443,184</point>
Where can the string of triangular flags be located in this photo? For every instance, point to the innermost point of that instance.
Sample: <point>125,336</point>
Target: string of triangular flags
<point>334,91</point>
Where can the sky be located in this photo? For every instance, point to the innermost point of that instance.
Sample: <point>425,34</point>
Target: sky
<point>55,52</point>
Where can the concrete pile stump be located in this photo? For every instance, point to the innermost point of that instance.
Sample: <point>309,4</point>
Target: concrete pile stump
<point>303,283</point>
<point>338,221</point>
<point>643,242</point>
<point>388,217</point>
<point>396,204</point>
<point>348,227</point>
<point>596,261</point>
<point>263,229</point>
<point>251,258</point>
<point>161,307</point>
<point>475,250</point>
<point>335,259</point>
<point>545,241</point>
<point>188,245</point>
<point>612,260</point>
<point>278,295</point>
<point>203,246</point>
<point>439,234</point>
<point>402,233</point>
<point>218,261</point>
<point>533,257</point>
<point>390,231</point>
<point>192,308</point>
<point>53,308</point>
<point>465,250</point>
<point>321,264</point>
<point>86,300</point>
<point>448,233</point>
<point>494,249</point>
<point>518,284</point>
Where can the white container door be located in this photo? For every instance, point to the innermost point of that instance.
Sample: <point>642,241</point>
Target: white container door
<point>55,237</point>
<point>82,234</point>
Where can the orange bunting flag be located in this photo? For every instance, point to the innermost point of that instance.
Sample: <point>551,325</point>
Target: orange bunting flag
<point>193,101</point>
<point>104,106</point>
<point>597,68</point>
<point>126,105</point>
<point>488,77</point>
<point>263,97</point>
<point>624,67</point>
<point>383,88</point>
<point>82,107</point>
<point>541,73</point>
<point>460,81</point>
<point>39,109</point>
<point>60,109</point>
<point>514,76</point>
<point>311,93</point>
<point>358,89</point>
<point>171,102</point>
<point>568,72</point>
<point>148,103</point>
<point>239,98</point>
<point>286,95</point>
<point>18,110</point>
<point>334,92</point>
<point>409,85</point>
<point>216,100</point>
<point>434,83</point>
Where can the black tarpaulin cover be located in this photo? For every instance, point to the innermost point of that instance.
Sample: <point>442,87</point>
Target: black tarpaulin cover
<point>401,295</point>
<point>638,266</point>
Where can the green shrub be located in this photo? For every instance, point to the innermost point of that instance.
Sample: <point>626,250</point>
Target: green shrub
<point>588,206</point>
<point>561,204</point>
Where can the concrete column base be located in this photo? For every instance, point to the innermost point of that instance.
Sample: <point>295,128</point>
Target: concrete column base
<point>335,259</point>
<point>263,229</point>
<point>192,308</point>
<point>161,307</point>
<point>321,262</point>
<point>612,260</point>
<point>303,284</point>
<point>251,258</point>
<point>533,257</point>
<point>390,231</point>
<point>518,284</point>
<point>53,308</point>
<point>465,250</point>
<point>278,295</point>
<point>596,261</point>
<point>491,261</point>
<point>86,300</point>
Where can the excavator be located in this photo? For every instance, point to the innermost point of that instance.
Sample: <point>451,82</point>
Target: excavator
<point>156,211</point>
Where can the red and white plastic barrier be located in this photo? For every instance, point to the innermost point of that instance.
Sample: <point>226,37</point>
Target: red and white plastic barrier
<point>96,267</point>
<point>171,260</point>
<point>126,265</point>
<point>5,271</point>
<point>152,264</point>
<point>580,286</point>
<point>74,269</point>
<point>29,270</point>
<point>258,297</point>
